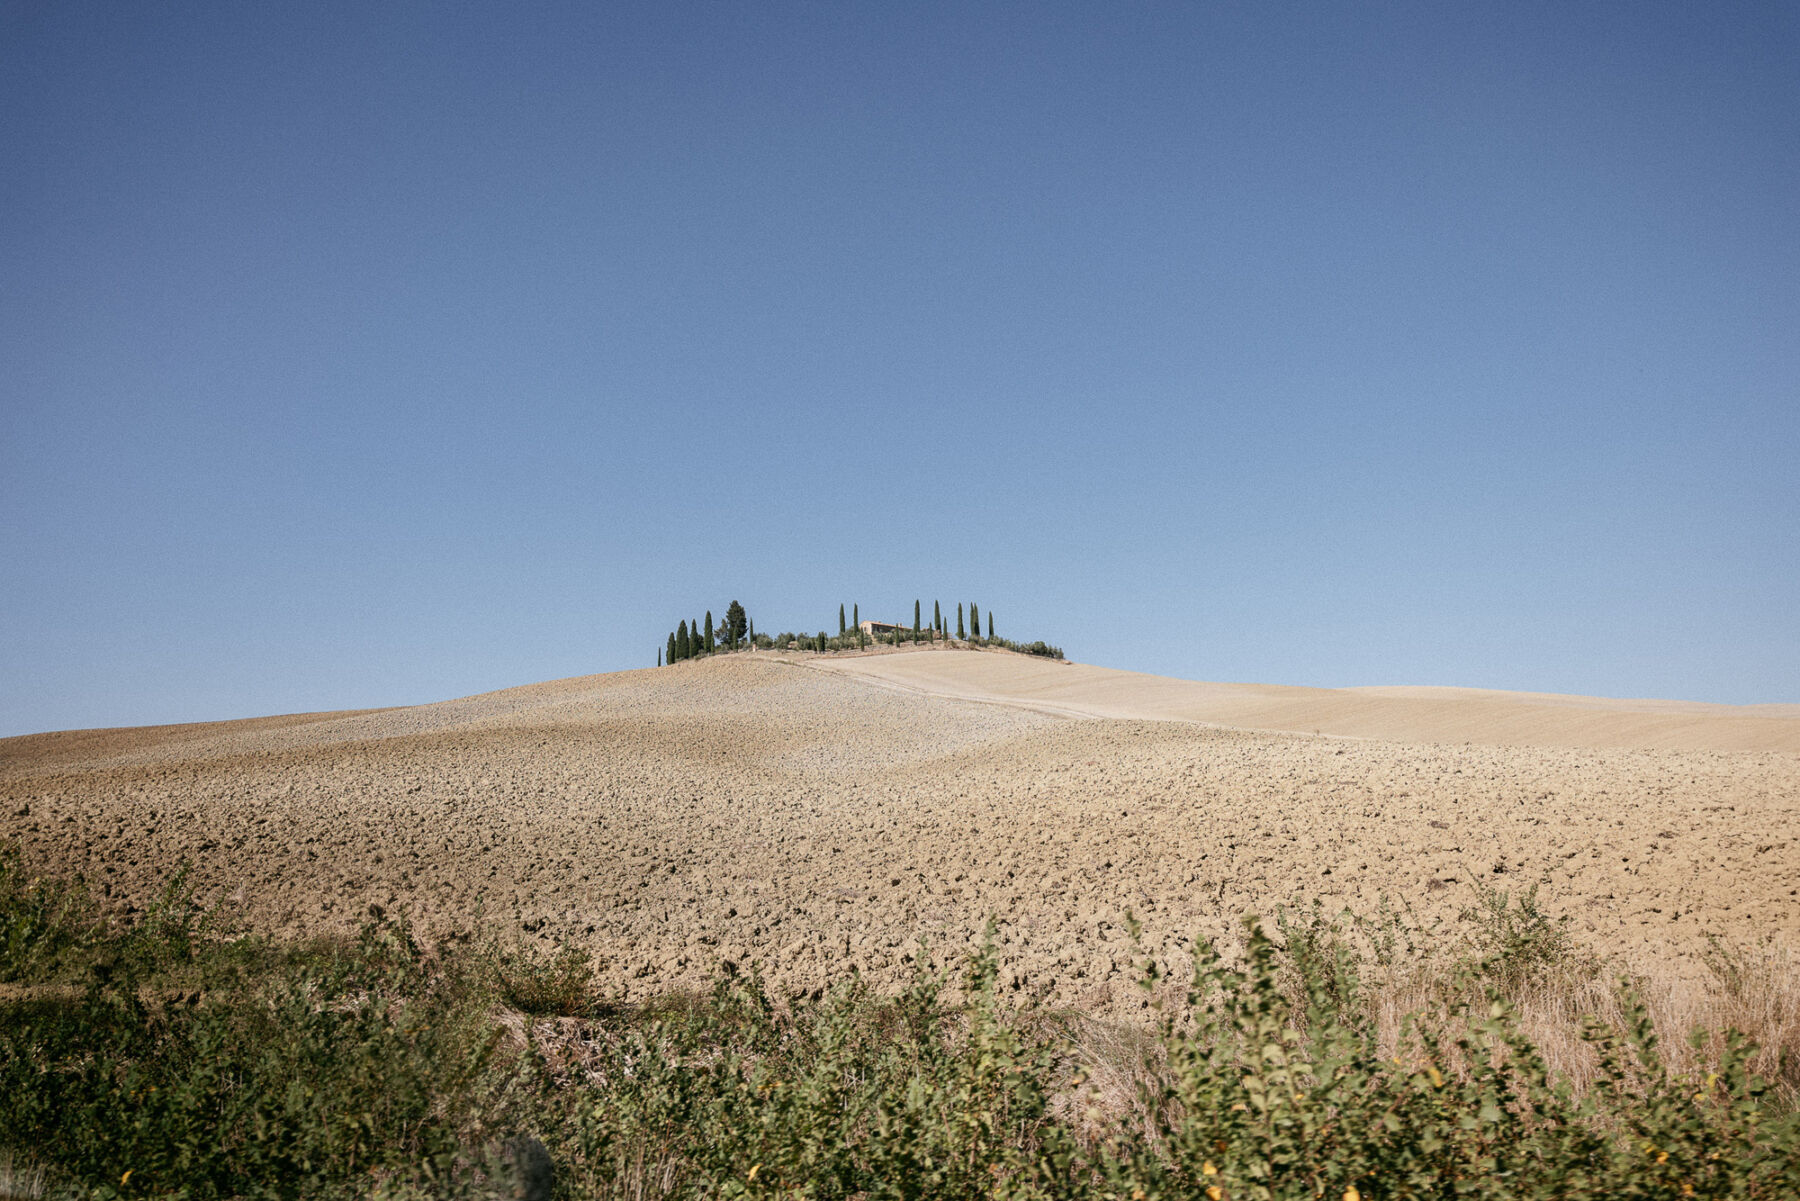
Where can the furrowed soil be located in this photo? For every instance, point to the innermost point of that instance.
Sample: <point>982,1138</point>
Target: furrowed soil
<point>813,813</point>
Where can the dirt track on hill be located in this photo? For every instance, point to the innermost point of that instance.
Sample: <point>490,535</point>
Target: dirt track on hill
<point>748,808</point>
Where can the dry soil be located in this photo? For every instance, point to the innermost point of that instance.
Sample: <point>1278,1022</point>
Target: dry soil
<point>816,812</point>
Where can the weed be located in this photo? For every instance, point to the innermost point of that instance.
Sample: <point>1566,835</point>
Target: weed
<point>559,983</point>
<point>1515,943</point>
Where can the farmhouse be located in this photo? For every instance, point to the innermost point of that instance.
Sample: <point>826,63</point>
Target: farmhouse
<point>873,628</point>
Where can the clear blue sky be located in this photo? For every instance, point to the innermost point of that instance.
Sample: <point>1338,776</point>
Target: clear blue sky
<point>360,355</point>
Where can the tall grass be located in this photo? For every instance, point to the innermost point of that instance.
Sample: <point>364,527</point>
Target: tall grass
<point>1336,1056</point>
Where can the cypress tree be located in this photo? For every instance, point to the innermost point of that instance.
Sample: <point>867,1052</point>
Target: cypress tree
<point>694,638</point>
<point>974,620</point>
<point>709,632</point>
<point>683,645</point>
<point>959,624</point>
<point>855,616</point>
<point>670,657</point>
<point>659,656</point>
<point>990,623</point>
<point>915,621</point>
<point>734,622</point>
<point>937,618</point>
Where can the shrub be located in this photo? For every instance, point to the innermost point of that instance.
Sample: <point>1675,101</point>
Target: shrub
<point>560,983</point>
<point>42,922</point>
<point>1039,647</point>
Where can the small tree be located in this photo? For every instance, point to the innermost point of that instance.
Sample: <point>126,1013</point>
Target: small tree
<point>915,621</point>
<point>937,618</point>
<point>671,655</point>
<point>959,624</point>
<point>974,620</point>
<point>659,656</point>
<point>855,616</point>
<point>708,627</point>
<point>842,627</point>
<point>990,624</point>
<point>735,619</point>
<point>683,644</point>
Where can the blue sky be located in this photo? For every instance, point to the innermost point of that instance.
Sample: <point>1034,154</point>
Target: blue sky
<point>359,355</point>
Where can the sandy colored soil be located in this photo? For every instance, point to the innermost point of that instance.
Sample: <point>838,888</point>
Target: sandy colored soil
<point>1390,714</point>
<point>815,812</point>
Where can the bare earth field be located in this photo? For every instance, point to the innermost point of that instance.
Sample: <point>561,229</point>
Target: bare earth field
<point>814,812</point>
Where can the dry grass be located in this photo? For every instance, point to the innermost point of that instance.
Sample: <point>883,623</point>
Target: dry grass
<point>20,1180</point>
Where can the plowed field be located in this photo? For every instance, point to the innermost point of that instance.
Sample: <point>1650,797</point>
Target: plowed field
<point>813,812</point>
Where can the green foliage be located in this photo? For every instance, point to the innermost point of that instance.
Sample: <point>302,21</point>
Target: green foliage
<point>290,1072</point>
<point>560,984</point>
<point>737,622</point>
<point>187,1063</point>
<point>1039,647</point>
<point>683,644</point>
<point>1515,944</point>
<point>41,921</point>
<point>849,1096</point>
<point>1272,1095</point>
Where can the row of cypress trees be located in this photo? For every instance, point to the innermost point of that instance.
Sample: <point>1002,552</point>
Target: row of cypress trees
<point>939,629</point>
<point>692,642</point>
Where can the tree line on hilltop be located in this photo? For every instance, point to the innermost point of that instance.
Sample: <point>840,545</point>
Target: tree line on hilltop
<point>738,632</point>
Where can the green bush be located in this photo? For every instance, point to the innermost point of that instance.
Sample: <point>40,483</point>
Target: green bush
<point>1039,647</point>
<point>42,922</point>
<point>324,1075</point>
<point>560,983</point>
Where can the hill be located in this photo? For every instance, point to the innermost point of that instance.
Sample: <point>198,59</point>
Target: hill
<point>812,812</point>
